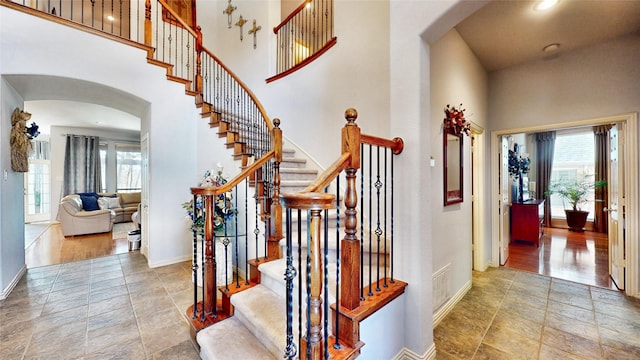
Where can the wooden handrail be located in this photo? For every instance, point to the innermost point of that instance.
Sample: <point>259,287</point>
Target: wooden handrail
<point>329,174</point>
<point>78,26</point>
<point>396,144</point>
<point>293,13</point>
<point>178,18</point>
<point>305,62</point>
<point>215,190</point>
<point>245,87</point>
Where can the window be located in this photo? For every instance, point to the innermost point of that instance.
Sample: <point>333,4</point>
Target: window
<point>129,168</point>
<point>103,166</point>
<point>573,158</point>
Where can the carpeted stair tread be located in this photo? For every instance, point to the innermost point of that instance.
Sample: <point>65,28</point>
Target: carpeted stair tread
<point>230,340</point>
<point>263,312</point>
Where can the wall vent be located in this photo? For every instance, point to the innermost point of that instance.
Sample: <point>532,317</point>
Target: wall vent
<point>441,287</point>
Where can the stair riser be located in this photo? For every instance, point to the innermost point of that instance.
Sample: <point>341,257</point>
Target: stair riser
<point>298,176</point>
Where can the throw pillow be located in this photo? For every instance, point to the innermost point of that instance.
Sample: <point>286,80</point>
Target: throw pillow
<point>114,202</point>
<point>103,203</point>
<point>89,203</point>
<point>106,203</point>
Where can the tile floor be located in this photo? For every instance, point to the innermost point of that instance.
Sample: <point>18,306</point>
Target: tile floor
<point>113,307</point>
<point>512,314</point>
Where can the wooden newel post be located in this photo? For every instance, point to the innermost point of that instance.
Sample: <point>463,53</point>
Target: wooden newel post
<point>275,251</point>
<point>209,257</point>
<point>147,23</point>
<point>315,203</point>
<point>198,88</point>
<point>350,247</point>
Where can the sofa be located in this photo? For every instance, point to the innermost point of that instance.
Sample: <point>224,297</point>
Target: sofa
<point>124,207</point>
<point>87,213</point>
<point>77,221</point>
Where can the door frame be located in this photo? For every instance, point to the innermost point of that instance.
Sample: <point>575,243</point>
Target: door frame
<point>478,199</point>
<point>630,181</point>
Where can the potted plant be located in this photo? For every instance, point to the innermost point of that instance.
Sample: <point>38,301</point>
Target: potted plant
<point>575,193</point>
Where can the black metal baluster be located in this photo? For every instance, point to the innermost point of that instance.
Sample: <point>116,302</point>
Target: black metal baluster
<point>246,231</point>
<point>194,265</point>
<point>362,222</point>
<point>392,218</point>
<point>290,351</point>
<point>370,219</point>
<point>336,345</point>
<point>378,230</point>
<point>386,185</point>
<point>308,267</point>
<point>202,258</point>
<point>300,333</point>
<point>235,228</point>
<point>325,254</point>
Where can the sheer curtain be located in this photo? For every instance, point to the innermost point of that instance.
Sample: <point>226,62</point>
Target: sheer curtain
<point>601,137</point>
<point>82,164</point>
<point>545,143</point>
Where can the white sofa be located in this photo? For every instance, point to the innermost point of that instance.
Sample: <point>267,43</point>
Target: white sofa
<point>76,221</point>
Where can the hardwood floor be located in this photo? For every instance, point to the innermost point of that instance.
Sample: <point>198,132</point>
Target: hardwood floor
<point>579,257</point>
<point>51,247</point>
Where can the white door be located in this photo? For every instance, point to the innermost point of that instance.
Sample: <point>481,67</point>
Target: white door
<point>616,207</point>
<point>144,217</point>
<point>37,191</point>
<point>505,229</point>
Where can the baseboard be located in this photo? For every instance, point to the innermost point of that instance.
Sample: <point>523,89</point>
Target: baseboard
<point>406,354</point>
<point>448,306</point>
<point>5,293</point>
<point>176,260</point>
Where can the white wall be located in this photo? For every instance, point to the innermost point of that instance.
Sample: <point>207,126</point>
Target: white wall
<point>11,197</point>
<point>591,82</point>
<point>311,103</point>
<point>35,46</point>
<point>456,77</point>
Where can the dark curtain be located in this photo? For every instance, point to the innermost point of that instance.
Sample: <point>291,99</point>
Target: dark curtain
<point>601,136</point>
<point>82,164</point>
<point>545,143</point>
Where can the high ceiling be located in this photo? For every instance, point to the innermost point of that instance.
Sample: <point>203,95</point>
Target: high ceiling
<point>507,33</point>
<point>501,34</point>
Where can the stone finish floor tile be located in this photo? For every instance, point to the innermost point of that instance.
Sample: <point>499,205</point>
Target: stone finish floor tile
<point>116,307</point>
<point>538,318</point>
<point>85,310</point>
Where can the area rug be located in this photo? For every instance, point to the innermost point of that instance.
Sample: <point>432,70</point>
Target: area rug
<point>120,230</point>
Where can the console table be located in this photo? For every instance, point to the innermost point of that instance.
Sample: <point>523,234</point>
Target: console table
<point>526,220</point>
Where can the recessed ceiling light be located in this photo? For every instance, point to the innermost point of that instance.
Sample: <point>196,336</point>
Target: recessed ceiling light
<point>110,18</point>
<point>545,4</point>
<point>551,48</point>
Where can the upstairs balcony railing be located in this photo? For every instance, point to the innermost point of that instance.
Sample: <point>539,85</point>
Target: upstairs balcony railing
<point>303,36</point>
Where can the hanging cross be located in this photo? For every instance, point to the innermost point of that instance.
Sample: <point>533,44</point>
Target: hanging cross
<point>229,10</point>
<point>241,23</point>
<point>253,31</point>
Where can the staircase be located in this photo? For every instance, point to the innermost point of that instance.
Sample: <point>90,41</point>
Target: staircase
<point>257,319</point>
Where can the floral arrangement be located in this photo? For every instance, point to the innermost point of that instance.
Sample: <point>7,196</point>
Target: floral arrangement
<point>32,131</point>
<point>454,120</point>
<point>518,165</point>
<point>224,210</point>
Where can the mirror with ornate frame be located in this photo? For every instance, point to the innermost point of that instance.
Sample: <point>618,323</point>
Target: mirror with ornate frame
<point>452,149</point>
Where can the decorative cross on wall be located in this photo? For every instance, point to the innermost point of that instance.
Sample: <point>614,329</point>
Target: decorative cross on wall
<point>229,10</point>
<point>241,23</point>
<point>253,31</point>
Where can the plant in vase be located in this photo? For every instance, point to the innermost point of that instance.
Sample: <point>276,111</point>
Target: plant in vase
<point>518,166</point>
<point>223,206</point>
<point>575,193</point>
